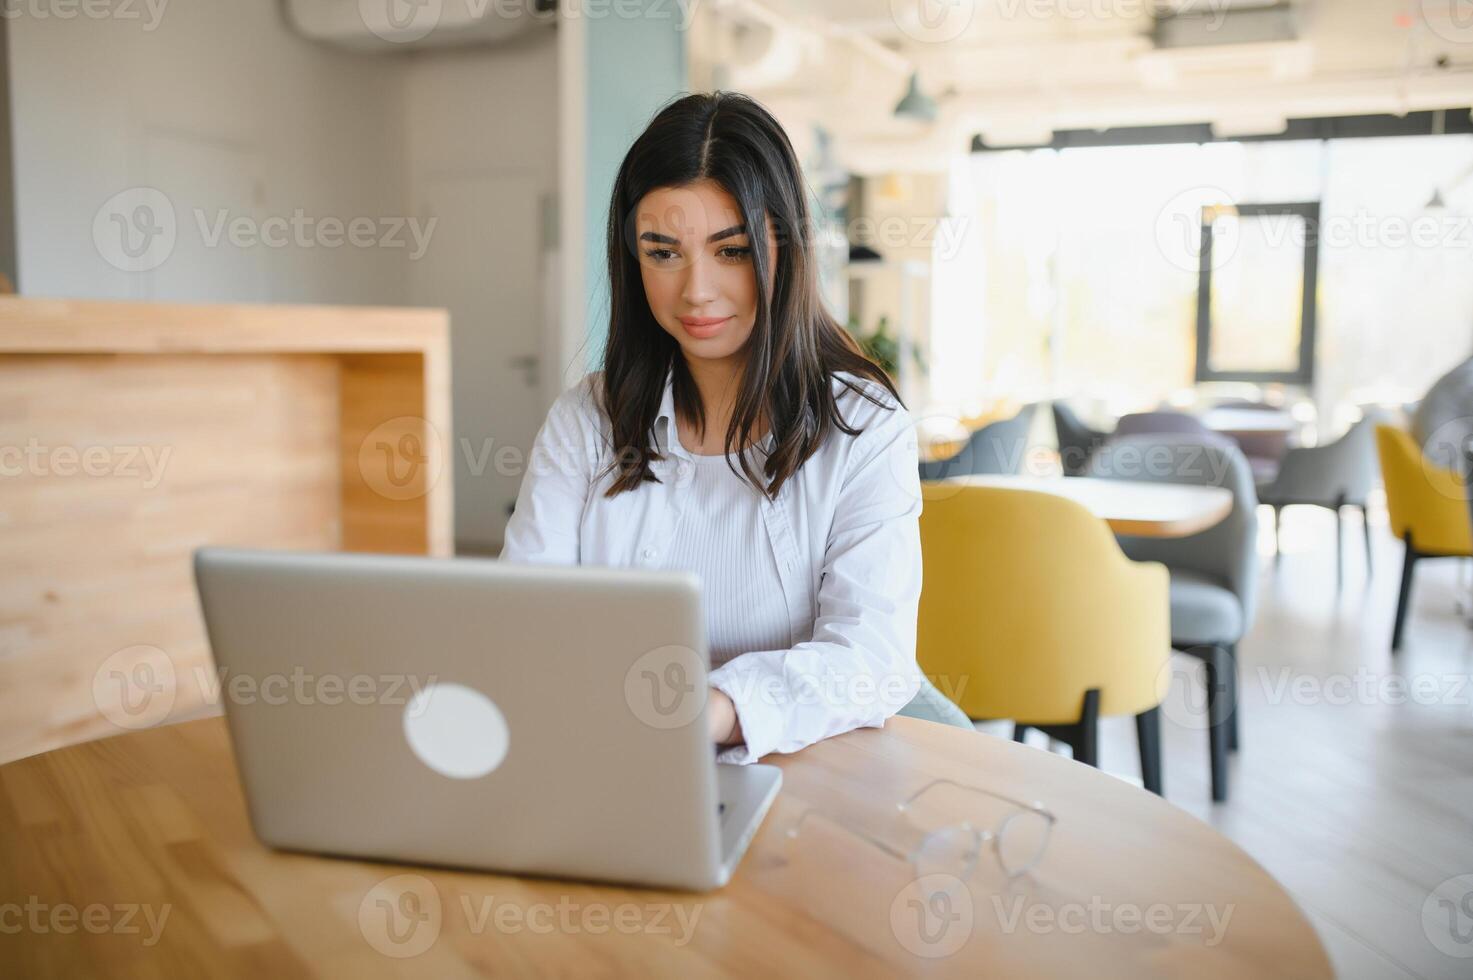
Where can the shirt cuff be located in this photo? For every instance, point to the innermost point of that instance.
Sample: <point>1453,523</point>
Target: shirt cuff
<point>761,718</point>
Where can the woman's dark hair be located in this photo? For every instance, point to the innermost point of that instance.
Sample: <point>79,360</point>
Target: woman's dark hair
<point>796,347</point>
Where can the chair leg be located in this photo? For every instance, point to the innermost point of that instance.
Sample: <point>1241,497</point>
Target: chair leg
<point>1404,597</point>
<point>1217,722</point>
<point>1148,734</point>
<point>1277,514</point>
<point>1083,736</point>
<point>1365,519</point>
<point>1087,750</point>
<point>1339,545</point>
<point>1232,693</point>
<point>1020,732</point>
<point>1339,554</point>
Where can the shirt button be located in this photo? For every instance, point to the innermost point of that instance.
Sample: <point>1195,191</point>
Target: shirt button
<point>648,552</point>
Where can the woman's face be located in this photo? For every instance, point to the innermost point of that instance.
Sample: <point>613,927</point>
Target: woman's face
<point>695,258</point>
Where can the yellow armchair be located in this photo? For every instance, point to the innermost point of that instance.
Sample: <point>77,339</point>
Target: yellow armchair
<point>1030,611</point>
<point>1428,507</point>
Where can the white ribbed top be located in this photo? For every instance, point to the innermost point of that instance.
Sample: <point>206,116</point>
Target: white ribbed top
<point>722,539</point>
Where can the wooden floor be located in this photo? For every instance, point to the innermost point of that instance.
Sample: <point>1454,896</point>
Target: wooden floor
<point>1360,809</point>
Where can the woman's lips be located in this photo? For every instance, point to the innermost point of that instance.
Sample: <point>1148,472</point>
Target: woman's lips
<point>701,327</point>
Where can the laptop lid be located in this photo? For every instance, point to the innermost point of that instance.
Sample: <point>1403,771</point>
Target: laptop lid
<point>469,712</point>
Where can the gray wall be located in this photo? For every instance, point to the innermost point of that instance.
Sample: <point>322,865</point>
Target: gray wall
<point>222,109</point>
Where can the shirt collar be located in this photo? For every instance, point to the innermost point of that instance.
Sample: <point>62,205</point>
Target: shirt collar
<point>665,441</point>
<point>665,438</point>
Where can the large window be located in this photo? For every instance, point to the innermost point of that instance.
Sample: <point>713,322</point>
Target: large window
<point>1256,292</point>
<point>1079,272</point>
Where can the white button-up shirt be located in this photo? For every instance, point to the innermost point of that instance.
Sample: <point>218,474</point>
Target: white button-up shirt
<point>844,534</point>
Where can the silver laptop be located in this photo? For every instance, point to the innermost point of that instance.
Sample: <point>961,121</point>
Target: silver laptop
<point>475,713</point>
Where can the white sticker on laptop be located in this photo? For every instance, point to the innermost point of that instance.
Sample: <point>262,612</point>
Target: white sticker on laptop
<point>456,730</point>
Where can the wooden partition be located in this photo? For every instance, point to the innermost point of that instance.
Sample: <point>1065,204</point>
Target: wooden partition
<point>132,433</point>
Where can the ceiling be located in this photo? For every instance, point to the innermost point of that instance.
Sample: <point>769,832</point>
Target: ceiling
<point>1015,70</point>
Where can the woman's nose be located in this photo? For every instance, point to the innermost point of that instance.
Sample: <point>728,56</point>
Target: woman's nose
<point>700,282</point>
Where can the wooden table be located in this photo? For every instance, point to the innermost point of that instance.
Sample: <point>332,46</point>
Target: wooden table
<point>151,826</point>
<point>1148,510</point>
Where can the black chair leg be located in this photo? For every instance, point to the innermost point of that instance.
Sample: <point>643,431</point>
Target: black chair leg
<point>1087,749</point>
<point>1148,734</point>
<point>1232,693</point>
<point>1020,732</point>
<point>1218,666</point>
<point>1404,597</point>
<point>1277,514</point>
<point>1083,736</point>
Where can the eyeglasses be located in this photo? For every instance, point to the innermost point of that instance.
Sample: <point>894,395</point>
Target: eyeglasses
<point>1017,842</point>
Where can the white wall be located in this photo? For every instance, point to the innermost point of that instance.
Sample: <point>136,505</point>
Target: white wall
<point>218,106</point>
<point>482,161</point>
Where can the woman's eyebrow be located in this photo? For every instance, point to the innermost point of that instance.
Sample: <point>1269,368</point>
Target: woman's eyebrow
<point>654,236</point>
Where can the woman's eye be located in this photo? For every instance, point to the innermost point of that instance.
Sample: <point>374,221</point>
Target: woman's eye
<point>735,252</point>
<point>660,254</point>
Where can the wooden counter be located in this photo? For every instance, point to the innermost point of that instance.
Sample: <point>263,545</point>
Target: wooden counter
<point>132,433</point>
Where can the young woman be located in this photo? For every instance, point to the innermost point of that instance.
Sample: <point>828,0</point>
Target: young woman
<point>756,446</point>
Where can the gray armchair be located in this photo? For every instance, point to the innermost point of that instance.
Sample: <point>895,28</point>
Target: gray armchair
<point>929,704</point>
<point>1214,573</point>
<point>998,448</point>
<point>1158,423</point>
<point>1336,475</point>
<point>1077,441</point>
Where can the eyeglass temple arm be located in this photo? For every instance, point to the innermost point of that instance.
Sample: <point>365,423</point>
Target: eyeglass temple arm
<point>797,824</point>
<point>1035,807</point>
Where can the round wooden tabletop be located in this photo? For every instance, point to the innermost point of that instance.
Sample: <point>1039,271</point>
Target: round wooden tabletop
<point>1147,510</point>
<point>133,856</point>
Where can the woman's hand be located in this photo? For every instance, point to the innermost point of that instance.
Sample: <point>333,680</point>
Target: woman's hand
<point>721,718</point>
